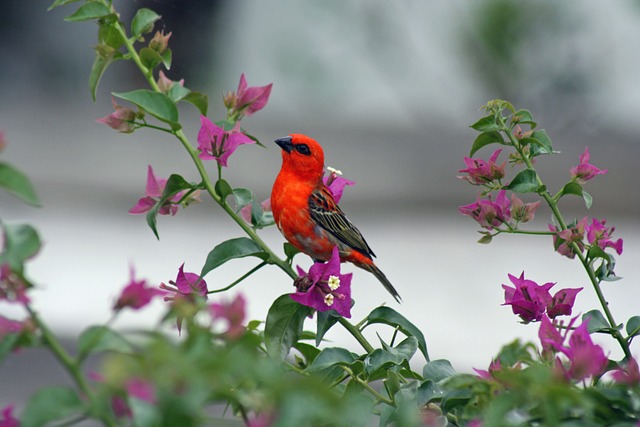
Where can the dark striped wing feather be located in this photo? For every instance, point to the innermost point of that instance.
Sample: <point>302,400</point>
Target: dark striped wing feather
<point>328,215</point>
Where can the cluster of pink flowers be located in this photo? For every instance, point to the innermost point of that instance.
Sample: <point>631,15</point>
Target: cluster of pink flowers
<point>531,301</point>
<point>492,214</point>
<point>595,231</point>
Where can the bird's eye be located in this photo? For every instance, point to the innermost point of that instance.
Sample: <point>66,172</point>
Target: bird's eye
<point>302,149</point>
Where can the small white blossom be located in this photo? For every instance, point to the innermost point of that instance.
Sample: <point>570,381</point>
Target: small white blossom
<point>328,299</point>
<point>334,282</point>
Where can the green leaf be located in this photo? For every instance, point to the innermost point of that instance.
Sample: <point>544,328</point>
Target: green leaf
<point>486,124</point>
<point>438,370</point>
<point>325,320</point>
<point>526,181</point>
<point>576,189</point>
<point>389,316</point>
<point>308,351</point>
<point>239,247</point>
<point>100,64</point>
<point>178,92</point>
<point>174,185</point>
<point>541,143</point>
<point>486,138</point>
<point>109,36</point>
<point>101,338</point>
<point>157,104</point>
<point>150,58</point>
<point>18,184</point>
<point>143,22</point>
<point>21,242</point>
<point>223,189</point>
<point>7,343</point>
<point>50,404</point>
<point>597,322</point>
<point>58,3</point>
<point>243,197</point>
<point>428,391</point>
<point>330,357</point>
<point>524,116</point>
<point>383,358</point>
<point>633,326</point>
<point>283,328</point>
<point>167,57</point>
<point>88,11</point>
<point>199,100</point>
<point>290,251</point>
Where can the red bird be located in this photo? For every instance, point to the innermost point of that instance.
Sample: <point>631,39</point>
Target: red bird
<point>306,213</point>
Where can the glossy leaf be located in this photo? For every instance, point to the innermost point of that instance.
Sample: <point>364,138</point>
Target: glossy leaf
<point>243,197</point>
<point>21,242</point>
<point>232,249</point>
<point>198,100</point>
<point>223,189</point>
<point>325,320</point>
<point>438,370</point>
<point>383,358</point>
<point>330,357</point>
<point>109,36</point>
<point>88,11</point>
<point>597,322</point>
<point>486,124</point>
<point>308,351</point>
<point>290,251</point>
<point>150,58</point>
<point>283,328</point>
<point>167,57</point>
<point>143,22</point>
<point>486,138</point>
<point>157,104</point>
<point>18,184</point>
<point>50,404</point>
<point>526,181</point>
<point>178,92</point>
<point>100,64</point>
<point>58,3</point>
<point>541,143</point>
<point>633,326</point>
<point>524,117</point>
<point>389,316</point>
<point>101,338</point>
<point>429,390</point>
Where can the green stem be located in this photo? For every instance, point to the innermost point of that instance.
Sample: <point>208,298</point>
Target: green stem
<point>67,362</point>
<point>244,276</point>
<point>356,334</point>
<point>552,203</point>
<point>368,387</point>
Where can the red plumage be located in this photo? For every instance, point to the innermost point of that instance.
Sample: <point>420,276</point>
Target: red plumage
<point>308,216</point>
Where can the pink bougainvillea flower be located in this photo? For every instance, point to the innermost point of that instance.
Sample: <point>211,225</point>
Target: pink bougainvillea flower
<point>217,144</point>
<point>160,41</point>
<point>122,119</point>
<point>7,419</point>
<point>488,213</point>
<point>585,171</point>
<point>12,287</point>
<point>627,374</point>
<point>336,183</point>
<point>530,300</point>
<point>527,299</point>
<point>480,172</point>
<point>165,84</point>
<point>250,99</point>
<point>600,235</point>
<point>586,358</point>
<point>550,337</point>
<point>488,374</point>
<point>324,288</point>
<point>522,212</point>
<point>9,326</point>
<point>562,302</point>
<point>233,312</point>
<point>136,294</point>
<point>562,239</point>
<point>185,288</point>
<point>155,187</point>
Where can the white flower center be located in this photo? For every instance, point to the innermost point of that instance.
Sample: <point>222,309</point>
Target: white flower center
<point>332,170</point>
<point>333,282</point>
<point>328,299</point>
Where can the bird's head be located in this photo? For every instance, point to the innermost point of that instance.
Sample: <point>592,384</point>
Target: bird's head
<point>302,155</point>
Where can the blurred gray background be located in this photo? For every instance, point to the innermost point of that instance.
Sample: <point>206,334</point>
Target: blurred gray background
<point>388,88</point>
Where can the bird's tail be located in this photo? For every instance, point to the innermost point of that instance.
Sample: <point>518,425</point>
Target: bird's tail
<point>371,267</point>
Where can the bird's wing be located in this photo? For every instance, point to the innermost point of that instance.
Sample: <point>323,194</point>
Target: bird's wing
<point>327,214</point>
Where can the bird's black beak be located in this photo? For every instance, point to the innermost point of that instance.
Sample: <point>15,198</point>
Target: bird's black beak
<point>285,143</point>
